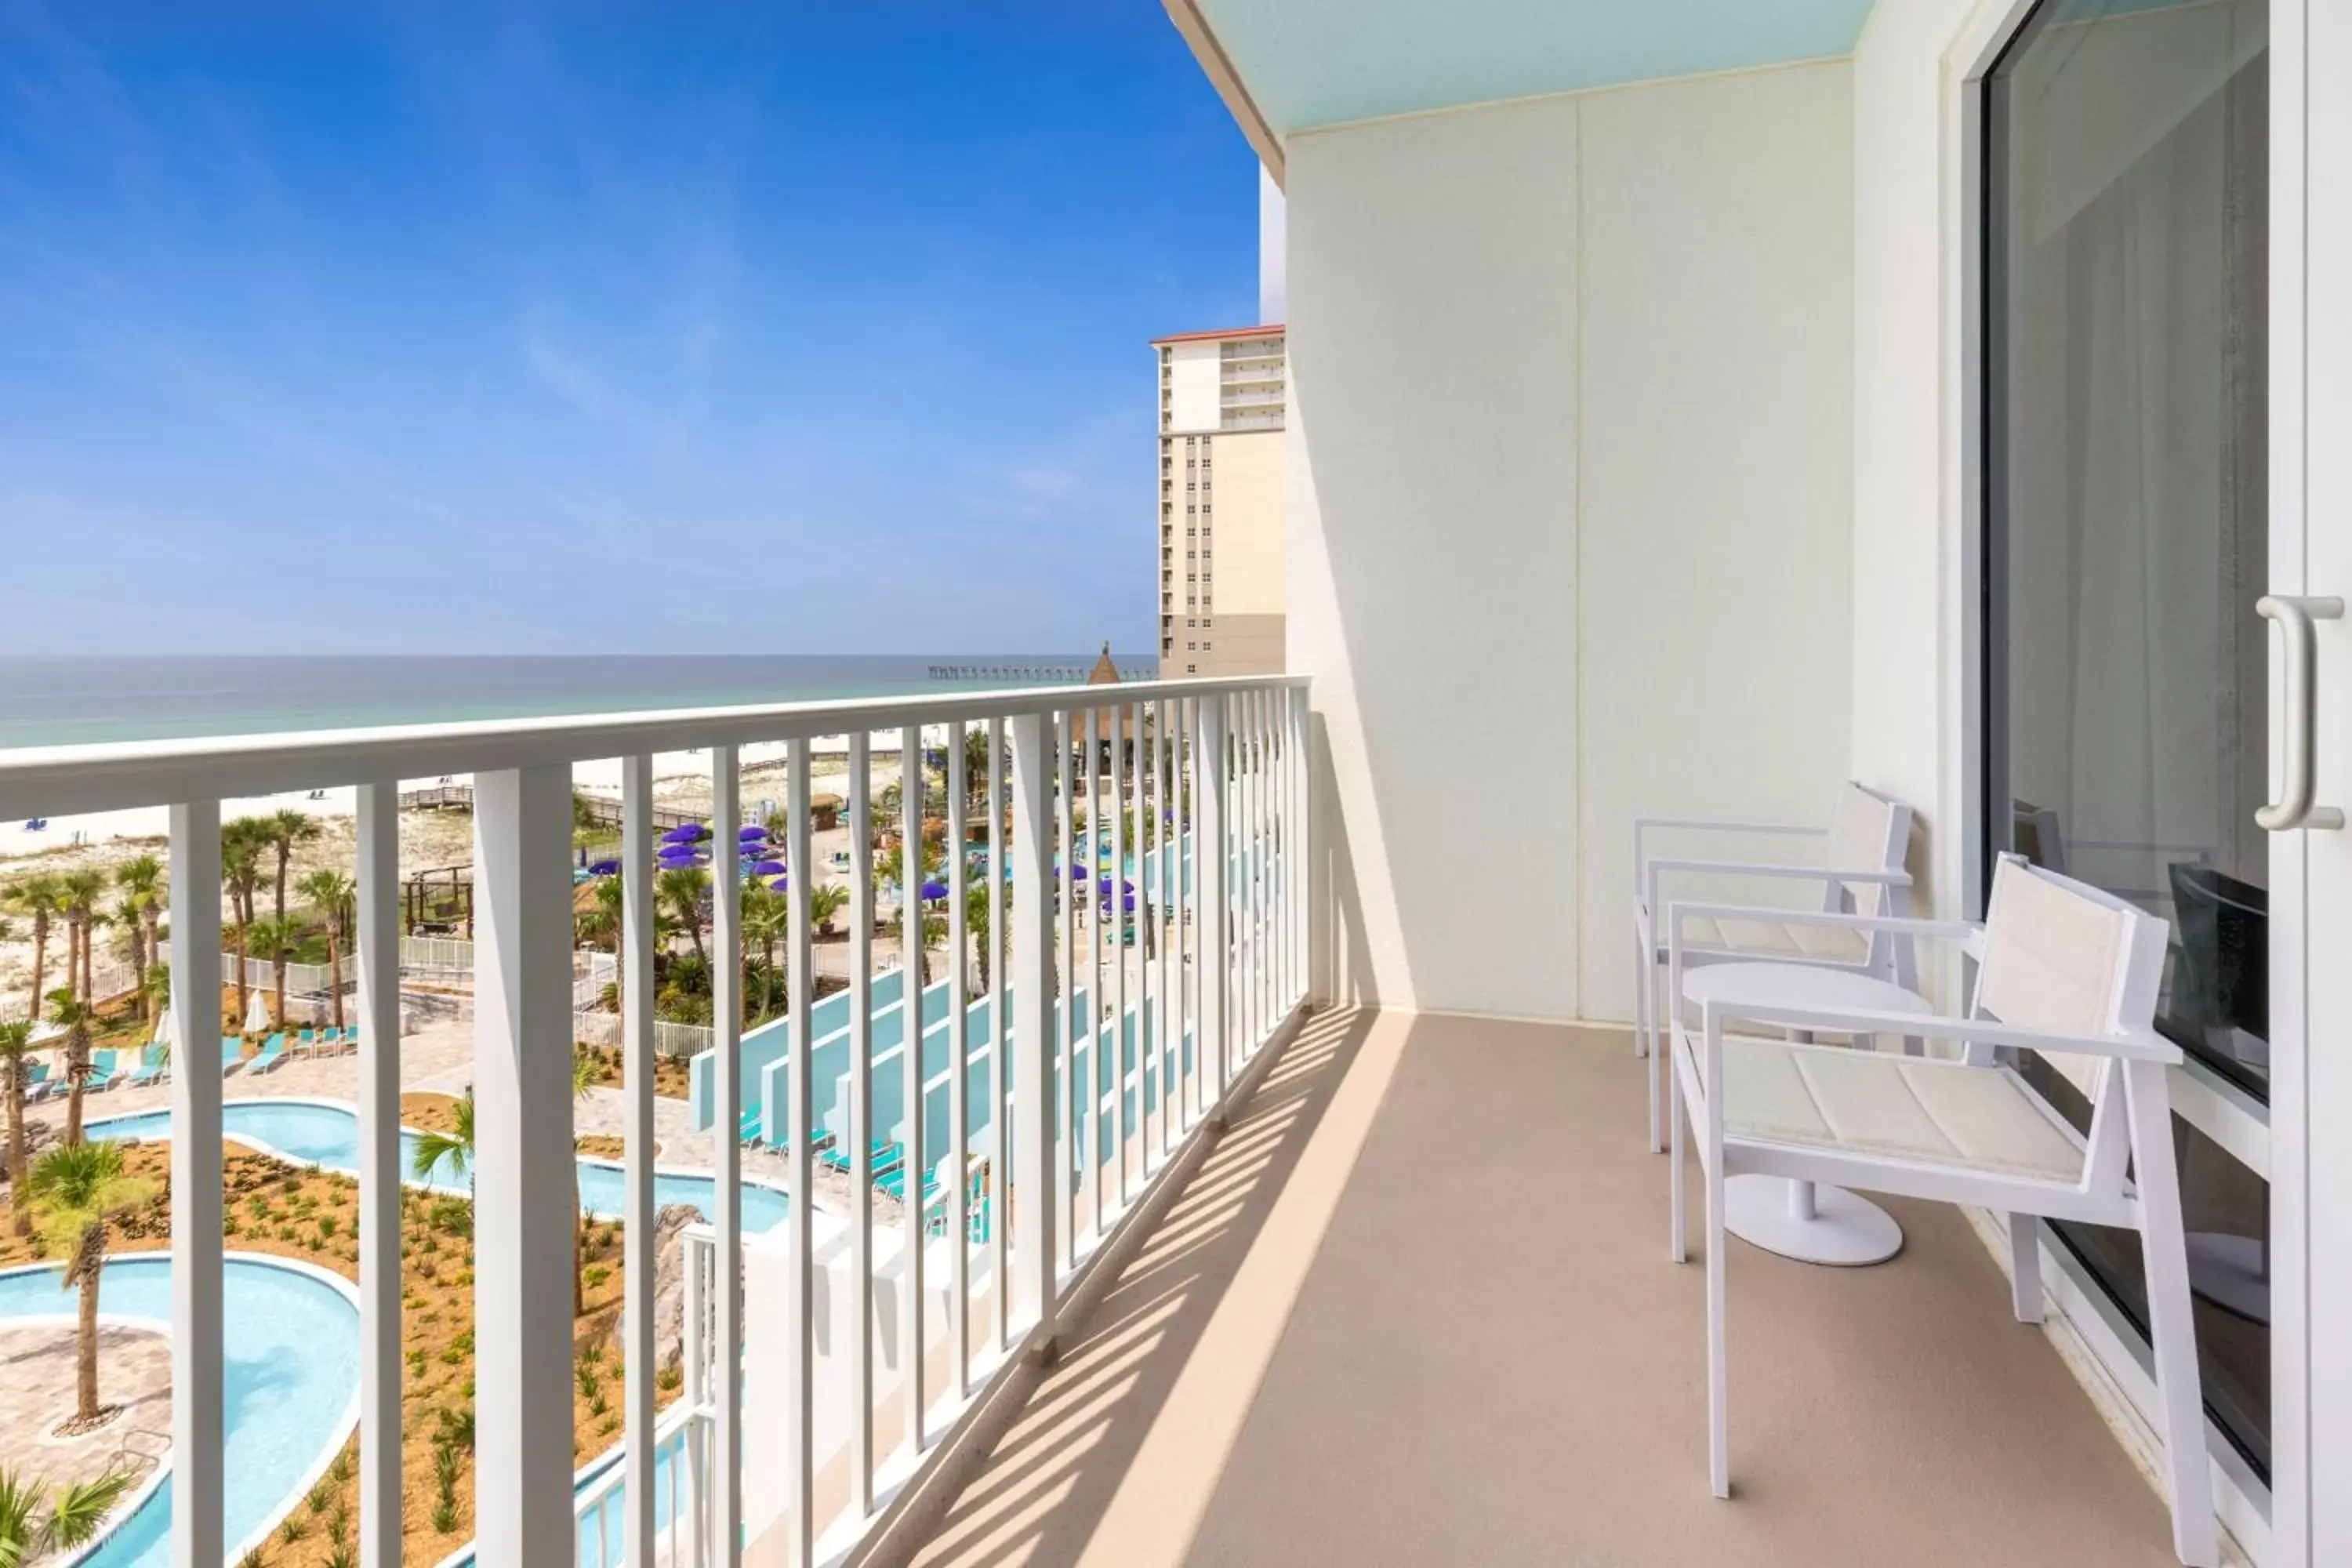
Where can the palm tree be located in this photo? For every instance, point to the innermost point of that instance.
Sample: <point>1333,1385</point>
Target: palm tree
<point>767,920</point>
<point>975,920</point>
<point>82,890</point>
<point>77,1189</point>
<point>889,867</point>
<point>241,844</point>
<point>73,1015</point>
<point>826,901</point>
<point>334,896</point>
<point>141,881</point>
<point>602,922</point>
<point>42,901</point>
<point>16,1044</point>
<point>158,995</point>
<point>281,831</point>
<point>682,888</point>
<point>73,1513</point>
<point>278,942</point>
<point>454,1148</point>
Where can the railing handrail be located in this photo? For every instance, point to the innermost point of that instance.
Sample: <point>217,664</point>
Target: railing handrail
<point>123,774</point>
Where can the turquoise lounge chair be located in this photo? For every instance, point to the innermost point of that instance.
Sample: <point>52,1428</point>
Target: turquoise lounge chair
<point>232,1054</point>
<point>753,1126</point>
<point>151,1069</point>
<point>271,1057</point>
<point>103,1074</point>
<point>305,1043</point>
<point>37,1086</point>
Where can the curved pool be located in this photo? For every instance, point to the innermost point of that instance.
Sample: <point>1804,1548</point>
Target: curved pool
<point>322,1132</point>
<point>291,1393</point>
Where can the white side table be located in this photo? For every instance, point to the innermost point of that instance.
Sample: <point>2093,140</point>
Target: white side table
<point>1800,1219</point>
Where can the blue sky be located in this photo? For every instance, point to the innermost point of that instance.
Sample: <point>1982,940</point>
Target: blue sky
<point>712,327</point>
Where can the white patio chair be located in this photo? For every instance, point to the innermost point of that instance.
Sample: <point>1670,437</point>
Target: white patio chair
<point>2062,969</point>
<point>1861,872</point>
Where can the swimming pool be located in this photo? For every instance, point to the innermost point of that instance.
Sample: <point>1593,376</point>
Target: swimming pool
<point>323,1132</point>
<point>291,1392</point>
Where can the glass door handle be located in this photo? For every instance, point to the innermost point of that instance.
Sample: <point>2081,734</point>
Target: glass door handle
<point>2295,613</point>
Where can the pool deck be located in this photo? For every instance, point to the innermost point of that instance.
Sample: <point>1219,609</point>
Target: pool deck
<point>36,1396</point>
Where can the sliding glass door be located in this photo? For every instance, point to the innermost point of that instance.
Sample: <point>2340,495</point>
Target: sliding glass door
<point>2127,539</point>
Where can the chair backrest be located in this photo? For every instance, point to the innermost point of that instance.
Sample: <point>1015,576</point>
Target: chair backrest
<point>2061,954</point>
<point>102,1063</point>
<point>1867,830</point>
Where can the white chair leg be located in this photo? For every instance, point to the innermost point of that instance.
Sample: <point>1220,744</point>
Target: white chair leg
<point>1678,1223</point>
<point>1642,967</point>
<point>1718,1436</point>
<point>2171,1330</point>
<point>2025,1267</point>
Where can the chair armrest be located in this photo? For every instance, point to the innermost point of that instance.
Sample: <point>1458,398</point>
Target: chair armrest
<point>1761,869</point>
<point>1957,930</point>
<point>1645,825</point>
<point>1975,1031</point>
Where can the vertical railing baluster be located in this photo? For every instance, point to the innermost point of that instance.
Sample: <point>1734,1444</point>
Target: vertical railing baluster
<point>197,1363</point>
<point>959,1211</point>
<point>1122,735</point>
<point>379,1173</point>
<point>1068,891</point>
<point>725,1150</point>
<point>861,1122</point>
<point>910,1094</point>
<point>1210,851</point>
<point>1151,894</point>
<point>639,1258</point>
<point>697,1388</point>
<point>1302,879</point>
<point>1188,940</point>
<point>1261,969</point>
<point>522,1165</point>
<point>1000,1145</point>
<point>1098,1171</point>
<point>1031,1193</point>
<point>800,1294</point>
<point>1165,918</point>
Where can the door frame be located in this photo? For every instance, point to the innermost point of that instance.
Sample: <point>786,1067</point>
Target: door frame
<point>2106,1353</point>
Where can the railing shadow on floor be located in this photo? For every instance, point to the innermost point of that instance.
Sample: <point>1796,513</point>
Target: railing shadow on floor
<point>1041,1492</point>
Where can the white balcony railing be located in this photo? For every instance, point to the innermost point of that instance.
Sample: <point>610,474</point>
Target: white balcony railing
<point>1046,1125</point>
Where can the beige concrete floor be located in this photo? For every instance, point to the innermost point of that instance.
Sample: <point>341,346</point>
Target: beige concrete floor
<point>1416,1308</point>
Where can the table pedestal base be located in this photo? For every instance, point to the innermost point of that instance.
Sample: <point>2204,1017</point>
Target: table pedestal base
<point>1809,1223</point>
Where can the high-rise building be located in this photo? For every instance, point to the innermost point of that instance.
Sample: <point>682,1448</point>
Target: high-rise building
<point>1221,399</point>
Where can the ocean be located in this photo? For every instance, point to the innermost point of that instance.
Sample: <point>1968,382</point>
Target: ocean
<point>50,702</point>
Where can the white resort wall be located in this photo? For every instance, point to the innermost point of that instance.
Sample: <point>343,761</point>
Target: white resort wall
<point>1569,474</point>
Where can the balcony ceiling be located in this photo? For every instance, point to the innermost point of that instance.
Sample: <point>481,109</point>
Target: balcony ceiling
<point>1307,63</point>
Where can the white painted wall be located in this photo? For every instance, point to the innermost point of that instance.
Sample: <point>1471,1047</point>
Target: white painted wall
<point>1907,558</point>
<point>1716,504</point>
<point>1556,367</point>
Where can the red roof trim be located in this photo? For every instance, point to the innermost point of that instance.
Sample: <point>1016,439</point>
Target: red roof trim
<point>1271,327</point>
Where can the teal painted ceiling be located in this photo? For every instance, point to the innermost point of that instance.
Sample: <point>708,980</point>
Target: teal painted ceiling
<point>1323,62</point>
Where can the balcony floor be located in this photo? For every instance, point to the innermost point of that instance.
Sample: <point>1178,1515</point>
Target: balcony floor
<point>1415,1308</point>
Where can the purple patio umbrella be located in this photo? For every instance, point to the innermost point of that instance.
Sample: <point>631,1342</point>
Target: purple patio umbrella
<point>781,884</point>
<point>1078,873</point>
<point>604,869</point>
<point>767,868</point>
<point>684,833</point>
<point>750,831</point>
<point>934,891</point>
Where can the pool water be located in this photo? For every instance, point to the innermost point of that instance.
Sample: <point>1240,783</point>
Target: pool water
<point>292,1373</point>
<point>313,1133</point>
